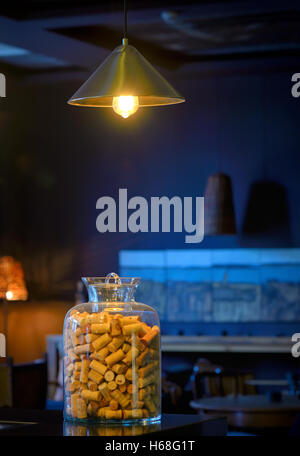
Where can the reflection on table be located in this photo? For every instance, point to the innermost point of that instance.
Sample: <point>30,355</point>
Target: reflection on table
<point>104,430</point>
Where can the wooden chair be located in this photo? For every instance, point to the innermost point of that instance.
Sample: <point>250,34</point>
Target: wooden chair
<point>212,380</point>
<point>29,382</point>
<point>6,394</point>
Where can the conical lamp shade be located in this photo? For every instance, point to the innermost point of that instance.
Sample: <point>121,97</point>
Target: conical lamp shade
<point>219,215</point>
<point>125,72</point>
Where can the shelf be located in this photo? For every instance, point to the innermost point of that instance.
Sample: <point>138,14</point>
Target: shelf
<point>228,344</point>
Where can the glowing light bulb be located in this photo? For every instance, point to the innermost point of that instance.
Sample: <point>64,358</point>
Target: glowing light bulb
<point>9,295</point>
<point>125,106</point>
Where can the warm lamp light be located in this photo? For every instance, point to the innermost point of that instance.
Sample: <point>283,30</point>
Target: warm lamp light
<point>125,81</point>
<point>12,282</point>
<point>12,286</point>
<point>9,295</point>
<point>125,106</point>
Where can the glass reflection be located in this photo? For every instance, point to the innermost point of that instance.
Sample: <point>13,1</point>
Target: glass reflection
<point>116,430</point>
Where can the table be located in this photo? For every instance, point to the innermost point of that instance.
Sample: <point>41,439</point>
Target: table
<point>268,382</point>
<point>253,411</point>
<point>18,422</point>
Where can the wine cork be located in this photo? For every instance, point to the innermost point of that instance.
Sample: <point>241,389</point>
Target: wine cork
<point>150,335</point>
<point>130,320</point>
<point>132,354</point>
<point>74,398</point>
<point>90,395</point>
<point>96,318</point>
<point>74,386</point>
<point>95,376</point>
<point>84,371</point>
<point>122,388</point>
<point>126,347</point>
<point>136,342</point>
<point>135,404</point>
<point>109,375</point>
<point>101,411</point>
<point>120,398</point>
<point>146,381</point>
<point>73,356</point>
<point>102,354</point>
<point>145,413</point>
<point>120,379</point>
<point>113,405</point>
<point>114,357</point>
<point>76,375</point>
<point>100,328</point>
<point>144,371</point>
<point>135,413</point>
<point>81,409</point>
<point>92,386</point>
<point>115,343</point>
<point>99,367</point>
<point>77,365</point>
<point>140,359</point>
<point>112,385</point>
<point>82,349</point>
<point>119,368</point>
<point>132,328</point>
<point>90,338</point>
<point>69,369</point>
<point>132,388</point>
<point>101,341</point>
<point>113,414</point>
<point>93,408</point>
<point>130,374</point>
<point>115,328</point>
<point>103,388</point>
<point>149,404</point>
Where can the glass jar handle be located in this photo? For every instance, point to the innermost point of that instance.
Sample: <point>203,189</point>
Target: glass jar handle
<point>113,275</point>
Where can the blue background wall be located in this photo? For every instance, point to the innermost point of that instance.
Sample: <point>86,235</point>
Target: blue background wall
<point>61,159</point>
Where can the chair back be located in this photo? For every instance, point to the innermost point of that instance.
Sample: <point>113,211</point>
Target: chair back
<point>6,382</point>
<point>211,380</point>
<point>30,384</point>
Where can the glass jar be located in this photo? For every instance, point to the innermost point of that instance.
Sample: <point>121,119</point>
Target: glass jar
<point>112,355</point>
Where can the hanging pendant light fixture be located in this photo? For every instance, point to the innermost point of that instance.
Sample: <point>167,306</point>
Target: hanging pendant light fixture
<point>125,81</point>
<point>219,210</point>
<point>218,206</point>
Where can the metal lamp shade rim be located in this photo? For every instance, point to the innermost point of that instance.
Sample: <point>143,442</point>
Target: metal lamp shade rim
<point>106,102</point>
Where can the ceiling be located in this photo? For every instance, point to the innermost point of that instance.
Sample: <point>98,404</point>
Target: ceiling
<point>64,36</point>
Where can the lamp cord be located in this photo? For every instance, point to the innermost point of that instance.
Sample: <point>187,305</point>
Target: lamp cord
<point>125,18</point>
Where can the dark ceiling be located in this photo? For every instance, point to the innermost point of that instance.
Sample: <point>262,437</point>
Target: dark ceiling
<point>29,9</point>
<point>47,36</point>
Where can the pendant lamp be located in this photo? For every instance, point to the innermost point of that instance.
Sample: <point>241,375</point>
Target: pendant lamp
<point>218,206</point>
<point>125,81</point>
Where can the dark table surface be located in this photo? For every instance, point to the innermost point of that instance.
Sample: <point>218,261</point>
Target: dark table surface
<point>50,423</point>
<point>253,411</point>
<point>251,403</point>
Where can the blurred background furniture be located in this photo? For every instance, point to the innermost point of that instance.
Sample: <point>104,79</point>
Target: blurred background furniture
<point>6,382</point>
<point>209,379</point>
<point>30,384</point>
<point>256,412</point>
<point>23,385</point>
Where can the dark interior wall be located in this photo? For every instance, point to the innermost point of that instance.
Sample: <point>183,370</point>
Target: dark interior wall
<point>57,160</point>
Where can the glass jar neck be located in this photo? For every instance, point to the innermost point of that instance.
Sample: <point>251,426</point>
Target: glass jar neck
<point>111,288</point>
<point>111,294</point>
